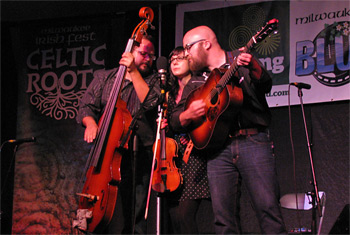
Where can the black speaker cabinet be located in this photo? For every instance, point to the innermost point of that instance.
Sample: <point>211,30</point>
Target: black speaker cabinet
<point>341,225</point>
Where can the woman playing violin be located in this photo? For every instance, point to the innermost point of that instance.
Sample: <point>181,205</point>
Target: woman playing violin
<point>184,203</point>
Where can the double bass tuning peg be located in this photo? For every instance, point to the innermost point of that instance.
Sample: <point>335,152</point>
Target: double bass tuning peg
<point>149,23</point>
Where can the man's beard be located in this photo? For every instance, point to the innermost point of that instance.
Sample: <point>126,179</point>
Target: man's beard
<point>198,64</point>
<point>144,71</point>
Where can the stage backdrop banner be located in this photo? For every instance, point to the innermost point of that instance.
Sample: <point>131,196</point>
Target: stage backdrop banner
<point>56,60</point>
<point>311,46</point>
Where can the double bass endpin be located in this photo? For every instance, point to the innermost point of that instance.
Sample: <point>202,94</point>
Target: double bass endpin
<point>89,196</point>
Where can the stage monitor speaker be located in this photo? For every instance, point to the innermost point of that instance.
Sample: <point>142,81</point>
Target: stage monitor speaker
<point>341,225</point>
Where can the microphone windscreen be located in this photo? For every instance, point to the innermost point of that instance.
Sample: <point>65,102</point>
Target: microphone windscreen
<point>162,63</point>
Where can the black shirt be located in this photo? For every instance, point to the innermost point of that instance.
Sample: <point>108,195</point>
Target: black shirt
<point>253,113</point>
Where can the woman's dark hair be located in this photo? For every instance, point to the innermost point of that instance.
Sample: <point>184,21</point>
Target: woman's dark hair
<point>173,80</point>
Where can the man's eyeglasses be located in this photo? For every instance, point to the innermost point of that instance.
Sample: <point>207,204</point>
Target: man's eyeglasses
<point>179,58</point>
<point>144,54</point>
<point>189,45</point>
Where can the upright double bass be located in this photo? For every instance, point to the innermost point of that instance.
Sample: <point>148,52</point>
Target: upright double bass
<point>102,170</point>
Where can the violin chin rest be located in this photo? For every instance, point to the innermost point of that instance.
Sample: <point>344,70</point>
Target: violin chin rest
<point>158,187</point>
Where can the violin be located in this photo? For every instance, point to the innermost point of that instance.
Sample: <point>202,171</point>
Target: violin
<point>99,194</point>
<point>166,176</point>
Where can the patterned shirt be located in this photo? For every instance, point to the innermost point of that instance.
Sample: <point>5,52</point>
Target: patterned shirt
<point>96,97</point>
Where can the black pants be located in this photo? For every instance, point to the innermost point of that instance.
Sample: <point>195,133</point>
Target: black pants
<point>183,216</point>
<point>143,164</point>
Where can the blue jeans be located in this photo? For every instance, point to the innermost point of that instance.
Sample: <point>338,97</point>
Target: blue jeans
<point>251,159</point>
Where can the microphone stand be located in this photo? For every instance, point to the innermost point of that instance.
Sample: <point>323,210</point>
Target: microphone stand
<point>159,201</point>
<point>135,148</point>
<point>131,129</point>
<point>162,107</point>
<point>9,168</point>
<point>7,182</point>
<point>162,99</point>
<point>6,209</point>
<point>314,193</point>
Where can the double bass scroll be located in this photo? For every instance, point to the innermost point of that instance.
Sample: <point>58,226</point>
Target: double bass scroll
<point>102,170</point>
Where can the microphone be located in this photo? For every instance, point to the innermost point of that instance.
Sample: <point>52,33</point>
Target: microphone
<point>162,65</point>
<point>20,141</point>
<point>301,85</point>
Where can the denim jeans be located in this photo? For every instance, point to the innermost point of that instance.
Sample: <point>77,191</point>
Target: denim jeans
<point>251,159</point>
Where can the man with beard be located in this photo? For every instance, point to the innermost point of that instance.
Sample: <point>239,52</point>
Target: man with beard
<point>139,78</point>
<point>246,151</point>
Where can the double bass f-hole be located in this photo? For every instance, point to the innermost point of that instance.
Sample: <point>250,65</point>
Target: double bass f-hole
<point>102,170</point>
<point>102,198</point>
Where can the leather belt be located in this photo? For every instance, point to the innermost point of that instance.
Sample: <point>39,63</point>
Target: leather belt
<point>245,132</point>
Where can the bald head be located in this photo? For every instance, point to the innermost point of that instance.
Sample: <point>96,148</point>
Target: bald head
<point>202,49</point>
<point>200,32</point>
